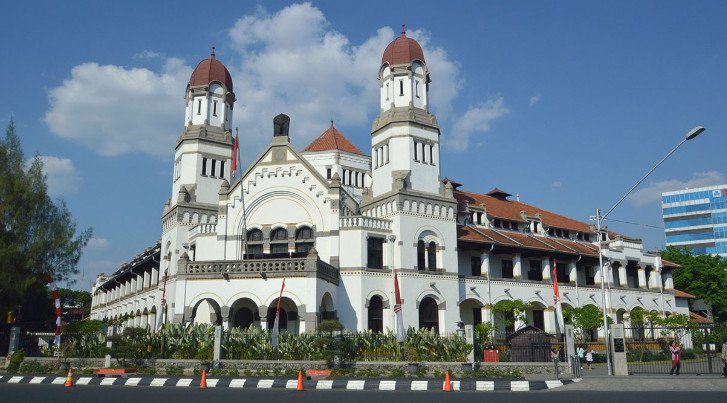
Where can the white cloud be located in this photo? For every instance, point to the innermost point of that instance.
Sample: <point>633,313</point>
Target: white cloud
<point>534,99</point>
<point>652,193</point>
<point>477,119</point>
<point>62,177</point>
<point>98,243</point>
<point>556,184</point>
<point>115,110</point>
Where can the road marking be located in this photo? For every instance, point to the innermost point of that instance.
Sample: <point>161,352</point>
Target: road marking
<point>211,383</point>
<point>237,383</point>
<point>553,384</point>
<point>107,381</point>
<point>387,385</point>
<point>185,382</point>
<point>520,386</point>
<point>355,385</point>
<point>83,381</point>
<point>158,382</point>
<point>485,385</point>
<point>324,385</point>
<point>265,383</point>
<point>37,379</point>
<point>60,380</point>
<point>132,381</point>
<point>15,379</point>
<point>419,385</point>
<point>291,384</point>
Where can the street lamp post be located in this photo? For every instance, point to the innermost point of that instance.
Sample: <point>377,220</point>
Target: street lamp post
<point>599,221</point>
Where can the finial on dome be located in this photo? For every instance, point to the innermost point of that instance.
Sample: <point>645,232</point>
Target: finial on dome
<point>403,29</point>
<point>331,122</point>
<point>213,52</point>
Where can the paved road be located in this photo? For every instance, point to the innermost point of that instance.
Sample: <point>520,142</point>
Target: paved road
<point>112,394</point>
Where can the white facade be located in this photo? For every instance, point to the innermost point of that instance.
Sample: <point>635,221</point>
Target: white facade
<point>333,224</point>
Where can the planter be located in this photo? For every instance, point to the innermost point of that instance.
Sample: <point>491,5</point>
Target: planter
<point>413,367</point>
<point>205,366</point>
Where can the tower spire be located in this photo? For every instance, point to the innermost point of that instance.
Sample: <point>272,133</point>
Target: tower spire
<point>212,55</point>
<point>403,29</point>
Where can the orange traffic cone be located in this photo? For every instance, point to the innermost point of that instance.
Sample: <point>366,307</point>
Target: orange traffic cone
<point>300,381</point>
<point>69,378</point>
<point>447,383</point>
<point>203,382</point>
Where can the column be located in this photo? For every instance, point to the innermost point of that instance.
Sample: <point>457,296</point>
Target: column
<point>549,319</point>
<point>597,275</point>
<point>668,280</point>
<point>140,282</point>
<point>154,276</point>
<point>487,314</point>
<point>623,280</point>
<point>485,265</point>
<point>517,267</point>
<point>147,278</point>
<point>572,272</point>
<point>642,277</point>
<point>546,269</point>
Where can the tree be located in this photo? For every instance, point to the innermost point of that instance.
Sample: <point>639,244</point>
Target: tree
<point>704,276</point>
<point>38,235</point>
<point>511,312</point>
<point>585,320</point>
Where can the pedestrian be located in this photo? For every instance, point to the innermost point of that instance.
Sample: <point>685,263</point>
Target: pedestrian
<point>724,357</point>
<point>676,352</point>
<point>589,358</point>
<point>581,355</point>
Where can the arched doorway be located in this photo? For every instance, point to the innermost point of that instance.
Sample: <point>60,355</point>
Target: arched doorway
<point>244,313</point>
<point>470,311</point>
<point>429,314</point>
<point>288,320</point>
<point>206,311</point>
<point>327,311</point>
<point>376,314</point>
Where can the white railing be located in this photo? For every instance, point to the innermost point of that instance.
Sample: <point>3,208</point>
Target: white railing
<point>203,229</point>
<point>359,221</point>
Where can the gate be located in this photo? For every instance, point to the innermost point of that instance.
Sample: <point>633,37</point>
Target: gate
<point>647,349</point>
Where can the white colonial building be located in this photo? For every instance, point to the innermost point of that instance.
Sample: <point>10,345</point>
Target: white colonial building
<point>333,221</point>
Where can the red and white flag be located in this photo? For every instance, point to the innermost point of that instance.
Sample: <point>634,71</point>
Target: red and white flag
<point>235,154</point>
<point>57,301</point>
<point>276,324</point>
<point>397,310</point>
<point>556,298</point>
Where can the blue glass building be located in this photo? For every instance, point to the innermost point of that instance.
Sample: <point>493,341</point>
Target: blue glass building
<point>697,219</point>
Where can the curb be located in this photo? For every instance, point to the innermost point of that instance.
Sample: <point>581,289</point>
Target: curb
<point>284,383</point>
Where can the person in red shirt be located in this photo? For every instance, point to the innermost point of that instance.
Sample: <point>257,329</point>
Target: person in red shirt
<point>676,364</point>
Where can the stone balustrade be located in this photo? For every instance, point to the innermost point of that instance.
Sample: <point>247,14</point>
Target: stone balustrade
<point>360,221</point>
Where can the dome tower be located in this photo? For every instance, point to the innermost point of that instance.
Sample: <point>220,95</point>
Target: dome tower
<point>405,136</point>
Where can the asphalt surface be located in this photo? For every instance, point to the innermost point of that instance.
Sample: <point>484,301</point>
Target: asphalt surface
<point>57,394</point>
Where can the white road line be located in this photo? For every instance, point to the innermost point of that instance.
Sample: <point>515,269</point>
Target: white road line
<point>107,381</point>
<point>265,383</point>
<point>60,380</point>
<point>37,379</point>
<point>211,383</point>
<point>419,385</point>
<point>158,382</point>
<point>83,381</point>
<point>291,384</point>
<point>484,385</point>
<point>15,379</point>
<point>553,384</point>
<point>355,385</point>
<point>185,382</point>
<point>132,381</point>
<point>237,383</point>
<point>520,386</point>
<point>455,385</point>
<point>324,385</point>
<point>387,385</point>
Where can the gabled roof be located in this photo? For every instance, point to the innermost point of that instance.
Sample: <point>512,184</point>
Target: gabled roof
<point>682,294</point>
<point>510,210</point>
<point>697,318</point>
<point>520,240</point>
<point>332,139</point>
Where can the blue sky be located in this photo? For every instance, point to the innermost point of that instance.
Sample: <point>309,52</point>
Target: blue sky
<point>565,103</point>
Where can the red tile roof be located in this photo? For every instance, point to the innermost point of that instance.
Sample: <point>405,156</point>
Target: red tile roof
<point>697,318</point>
<point>517,239</point>
<point>510,210</point>
<point>402,50</point>
<point>667,263</point>
<point>682,294</point>
<point>209,70</point>
<point>332,139</point>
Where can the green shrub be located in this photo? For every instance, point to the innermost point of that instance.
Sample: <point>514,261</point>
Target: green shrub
<point>16,358</point>
<point>233,372</point>
<point>147,371</point>
<point>174,370</point>
<point>32,367</point>
<point>397,373</point>
<point>217,372</point>
<point>421,373</point>
<point>87,371</point>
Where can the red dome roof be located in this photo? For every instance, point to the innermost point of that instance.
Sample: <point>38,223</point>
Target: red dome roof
<point>403,50</point>
<point>209,70</point>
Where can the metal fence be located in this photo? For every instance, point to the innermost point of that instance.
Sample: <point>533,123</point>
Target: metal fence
<point>525,345</point>
<point>648,352</point>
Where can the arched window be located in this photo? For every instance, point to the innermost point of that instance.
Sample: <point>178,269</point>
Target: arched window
<point>432,256</point>
<point>421,261</point>
<point>254,243</point>
<point>279,241</point>
<point>303,240</point>
<point>429,314</point>
<point>376,314</point>
<point>244,318</point>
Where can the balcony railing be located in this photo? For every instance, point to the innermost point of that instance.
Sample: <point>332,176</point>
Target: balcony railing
<point>202,229</point>
<point>360,221</point>
<point>309,266</point>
